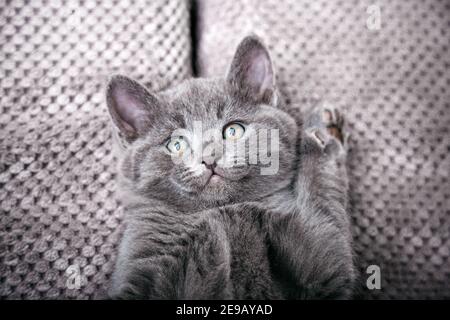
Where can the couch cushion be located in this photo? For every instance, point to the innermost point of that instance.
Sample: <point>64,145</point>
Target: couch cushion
<point>392,82</point>
<point>58,215</point>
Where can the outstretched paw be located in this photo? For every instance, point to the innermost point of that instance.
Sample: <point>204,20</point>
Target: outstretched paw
<point>323,126</point>
<point>318,135</point>
<point>333,121</point>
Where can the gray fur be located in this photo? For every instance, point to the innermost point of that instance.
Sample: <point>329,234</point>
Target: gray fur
<point>254,236</point>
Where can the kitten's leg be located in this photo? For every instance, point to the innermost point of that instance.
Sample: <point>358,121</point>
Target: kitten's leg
<point>312,246</point>
<point>167,256</point>
<point>149,256</point>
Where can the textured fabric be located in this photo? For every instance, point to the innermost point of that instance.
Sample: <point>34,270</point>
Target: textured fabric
<point>58,215</point>
<point>392,84</point>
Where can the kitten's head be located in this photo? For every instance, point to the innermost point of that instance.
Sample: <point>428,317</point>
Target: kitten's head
<point>206,141</point>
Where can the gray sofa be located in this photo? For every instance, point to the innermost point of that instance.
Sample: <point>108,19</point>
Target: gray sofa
<point>389,73</point>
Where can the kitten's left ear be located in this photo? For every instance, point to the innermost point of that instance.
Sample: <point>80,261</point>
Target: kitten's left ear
<point>251,73</point>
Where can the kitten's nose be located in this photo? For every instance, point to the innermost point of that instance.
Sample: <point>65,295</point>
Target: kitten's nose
<point>209,162</point>
<point>211,166</point>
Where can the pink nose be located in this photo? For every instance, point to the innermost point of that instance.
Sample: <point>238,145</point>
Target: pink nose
<point>210,166</point>
<point>208,159</point>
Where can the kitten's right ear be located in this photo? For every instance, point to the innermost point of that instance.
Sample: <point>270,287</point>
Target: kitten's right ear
<point>130,106</point>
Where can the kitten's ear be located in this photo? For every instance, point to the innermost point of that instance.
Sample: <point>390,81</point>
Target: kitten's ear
<point>251,73</point>
<point>130,106</point>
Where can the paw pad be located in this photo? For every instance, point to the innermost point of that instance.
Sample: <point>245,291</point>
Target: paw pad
<point>333,121</point>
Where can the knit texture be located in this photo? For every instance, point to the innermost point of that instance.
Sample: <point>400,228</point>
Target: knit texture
<point>387,68</point>
<point>59,220</point>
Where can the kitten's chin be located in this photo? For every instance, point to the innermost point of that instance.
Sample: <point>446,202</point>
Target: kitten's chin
<point>214,179</point>
<point>216,190</point>
<point>213,187</point>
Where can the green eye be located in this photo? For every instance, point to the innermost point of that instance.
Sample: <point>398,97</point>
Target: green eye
<point>177,146</point>
<point>233,131</point>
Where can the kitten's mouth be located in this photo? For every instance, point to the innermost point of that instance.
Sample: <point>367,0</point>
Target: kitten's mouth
<point>214,178</point>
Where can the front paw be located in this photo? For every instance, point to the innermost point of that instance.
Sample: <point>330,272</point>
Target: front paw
<point>323,129</point>
<point>321,139</point>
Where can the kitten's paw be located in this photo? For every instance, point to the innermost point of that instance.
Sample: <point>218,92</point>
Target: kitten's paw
<point>323,127</point>
<point>318,136</point>
<point>321,138</point>
<point>333,121</point>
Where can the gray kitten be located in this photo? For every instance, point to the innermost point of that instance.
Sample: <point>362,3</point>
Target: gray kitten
<point>199,228</point>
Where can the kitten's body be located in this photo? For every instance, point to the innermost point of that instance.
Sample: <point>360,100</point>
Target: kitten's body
<point>249,236</point>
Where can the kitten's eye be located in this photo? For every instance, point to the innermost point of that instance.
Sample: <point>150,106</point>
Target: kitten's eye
<point>233,131</point>
<point>177,146</point>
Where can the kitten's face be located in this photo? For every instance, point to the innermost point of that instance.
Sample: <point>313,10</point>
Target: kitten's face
<point>207,142</point>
